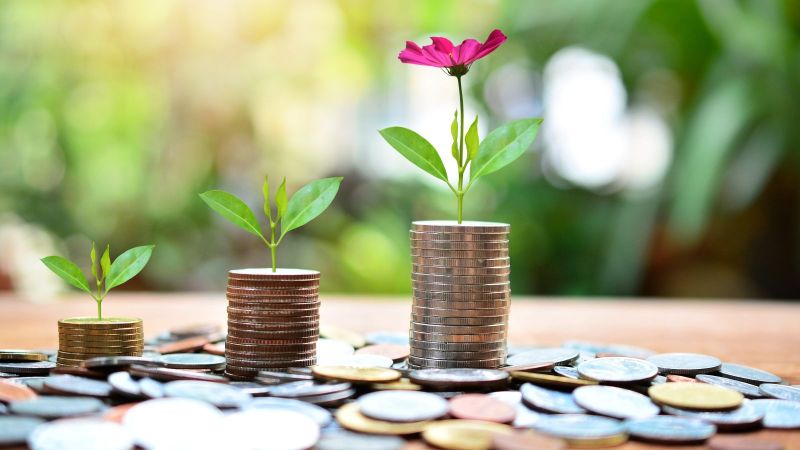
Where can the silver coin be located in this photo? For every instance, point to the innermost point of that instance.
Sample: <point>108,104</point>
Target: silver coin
<point>35,383</point>
<point>298,389</point>
<point>403,406</point>
<point>317,413</point>
<point>217,394</point>
<point>781,414</point>
<point>549,400</point>
<point>567,371</point>
<point>741,418</point>
<point>173,423</point>
<point>54,407</point>
<point>629,351</point>
<point>617,370</point>
<point>268,428</point>
<point>780,391</point>
<point>114,363</point>
<point>330,400</point>
<point>615,402</point>
<point>685,363</point>
<point>659,379</point>
<point>456,338</point>
<point>670,429</point>
<point>193,361</point>
<point>69,384</point>
<point>579,426</point>
<point>458,377</point>
<point>124,384</point>
<point>556,355</point>
<point>748,374</point>
<point>457,356</point>
<point>80,434</point>
<point>746,389</point>
<point>271,377</point>
<point>151,388</point>
<point>14,430</point>
<point>27,368</point>
<point>426,363</point>
<point>251,387</point>
<point>345,440</point>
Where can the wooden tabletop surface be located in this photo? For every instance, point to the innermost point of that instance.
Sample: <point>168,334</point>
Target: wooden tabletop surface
<point>758,333</point>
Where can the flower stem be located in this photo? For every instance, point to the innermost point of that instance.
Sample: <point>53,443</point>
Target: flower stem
<point>273,248</point>
<point>99,309</point>
<point>461,163</point>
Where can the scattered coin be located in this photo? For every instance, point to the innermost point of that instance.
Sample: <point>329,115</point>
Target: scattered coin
<point>14,430</point>
<point>459,378</point>
<point>80,434</point>
<point>350,417</point>
<point>742,443</point>
<point>217,394</point>
<point>540,367</point>
<point>317,413</point>
<point>395,352</point>
<point>746,389</point>
<point>781,414</point>
<point>567,371</point>
<point>54,407</point>
<point>298,389</point>
<point>680,379</point>
<point>193,361</point>
<point>555,381</point>
<point>356,374</point>
<point>685,363</point>
<point>742,418</point>
<point>670,430</point>
<point>580,430</point>
<point>615,402</point>
<point>549,401</point>
<point>27,368</point>
<point>165,374</point>
<point>345,440</point>
<point>748,374</point>
<point>151,388</point>
<point>481,407</point>
<point>124,384</point>
<point>115,363</point>
<point>463,434</point>
<point>402,406</point>
<point>168,423</point>
<point>618,370</point>
<point>555,355</point>
<point>527,440</point>
<point>281,429</point>
<point>780,391</point>
<point>72,385</point>
<point>698,396</point>
<point>13,391</point>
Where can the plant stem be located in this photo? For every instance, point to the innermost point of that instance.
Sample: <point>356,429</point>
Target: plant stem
<point>100,309</point>
<point>273,247</point>
<point>461,164</point>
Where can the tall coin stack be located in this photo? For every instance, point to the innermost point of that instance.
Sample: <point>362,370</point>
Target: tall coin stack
<point>460,276</point>
<point>81,338</point>
<point>273,320</point>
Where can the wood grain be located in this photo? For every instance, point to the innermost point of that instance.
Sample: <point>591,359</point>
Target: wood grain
<point>758,333</point>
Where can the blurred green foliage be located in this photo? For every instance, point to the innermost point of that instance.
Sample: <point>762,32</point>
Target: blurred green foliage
<point>115,115</point>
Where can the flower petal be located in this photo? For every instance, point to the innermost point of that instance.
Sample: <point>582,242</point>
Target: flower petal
<point>438,58</point>
<point>442,44</point>
<point>465,53</point>
<point>495,39</point>
<point>412,54</point>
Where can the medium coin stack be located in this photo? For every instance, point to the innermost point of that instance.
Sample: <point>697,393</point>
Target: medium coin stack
<point>460,276</point>
<point>273,320</point>
<point>82,338</point>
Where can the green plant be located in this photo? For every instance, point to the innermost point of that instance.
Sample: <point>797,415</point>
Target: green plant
<point>110,275</point>
<point>304,206</point>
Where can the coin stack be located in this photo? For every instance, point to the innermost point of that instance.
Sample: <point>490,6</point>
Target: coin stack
<point>273,320</point>
<point>460,277</point>
<point>82,338</point>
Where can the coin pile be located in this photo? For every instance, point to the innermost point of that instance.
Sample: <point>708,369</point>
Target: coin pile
<point>82,338</point>
<point>460,276</point>
<point>273,320</point>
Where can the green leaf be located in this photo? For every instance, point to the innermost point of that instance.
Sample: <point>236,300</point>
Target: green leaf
<point>68,272</point>
<point>416,149</point>
<point>502,146</point>
<point>454,133</point>
<point>280,199</point>
<point>128,265</point>
<point>472,140</point>
<point>93,257</point>
<point>234,209</point>
<point>105,262</point>
<point>265,190</point>
<point>309,202</point>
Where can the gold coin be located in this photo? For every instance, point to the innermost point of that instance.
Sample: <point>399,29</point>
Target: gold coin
<point>597,442</point>
<point>93,323</point>
<point>551,380</point>
<point>701,396</point>
<point>356,374</point>
<point>21,355</point>
<point>463,434</point>
<point>351,418</point>
<point>341,334</point>
<point>403,384</point>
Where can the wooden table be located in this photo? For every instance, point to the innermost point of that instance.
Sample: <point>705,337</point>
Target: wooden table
<point>759,333</point>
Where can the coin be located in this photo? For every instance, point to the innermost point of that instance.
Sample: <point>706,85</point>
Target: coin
<point>427,363</point>
<point>555,355</point>
<point>742,443</point>
<point>345,440</point>
<point>748,374</point>
<point>215,349</point>
<point>549,401</point>
<point>566,371</point>
<point>21,355</point>
<point>217,394</point>
<point>455,312</point>
<point>670,430</point>
<point>742,418</point>
<point>680,379</point>
<point>298,389</point>
<point>14,430</point>
<point>615,402</point>
<point>467,226</point>
<point>490,288</point>
<point>93,323</point>
<point>746,389</point>
<point>350,417</point>
<point>80,434</point>
<point>781,414</point>
<point>459,378</point>
<point>124,384</point>
<point>481,407</point>
<point>698,396</point>
<point>165,374</point>
<point>450,244</point>
<point>580,430</point>
<point>459,279</point>
<point>450,304</point>
<point>463,434</point>
<point>685,363</point>
<point>460,271</point>
<point>457,338</point>
<point>193,361</point>
<point>432,261</point>
<point>618,370</point>
<point>282,429</point>
<point>27,368</point>
<point>151,388</point>
<point>54,407</point>
<point>112,363</point>
<point>526,441</point>
<point>538,367</point>
<point>555,381</point>
<point>318,414</point>
<point>72,385</point>
<point>356,374</point>
<point>197,329</point>
<point>12,391</point>
<point>394,352</point>
<point>173,423</point>
<point>402,406</point>
<point>780,391</point>
<point>387,337</point>
<point>460,356</point>
<point>279,274</point>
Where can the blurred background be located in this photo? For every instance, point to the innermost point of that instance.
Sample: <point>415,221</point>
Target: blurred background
<point>667,165</point>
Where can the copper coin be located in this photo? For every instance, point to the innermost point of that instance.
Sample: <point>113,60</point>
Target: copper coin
<point>270,363</point>
<point>457,236</point>
<point>467,226</point>
<point>527,441</point>
<point>214,349</point>
<point>419,294</point>
<point>445,270</point>
<point>456,338</point>
<point>452,329</point>
<point>464,321</point>
<point>234,319</point>
<point>311,346</point>
<point>294,298</point>
<point>481,407</point>
<point>300,292</point>
<point>244,313</point>
<point>11,391</point>
<point>280,274</point>
<point>680,379</point>
<point>742,443</point>
<point>279,288</point>
<point>183,346</point>
<point>460,262</point>
<point>539,367</point>
<point>395,352</point>
<point>283,302</point>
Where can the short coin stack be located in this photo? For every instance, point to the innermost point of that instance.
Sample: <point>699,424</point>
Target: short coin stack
<point>82,338</point>
<point>460,276</point>
<point>273,320</point>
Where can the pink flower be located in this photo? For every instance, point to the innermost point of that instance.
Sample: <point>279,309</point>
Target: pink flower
<point>455,58</point>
